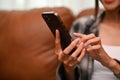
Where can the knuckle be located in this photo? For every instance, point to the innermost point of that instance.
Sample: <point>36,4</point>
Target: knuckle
<point>89,41</point>
<point>65,52</point>
<point>93,35</point>
<point>65,63</point>
<point>84,39</point>
<point>78,60</point>
<point>98,38</point>
<point>72,44</point>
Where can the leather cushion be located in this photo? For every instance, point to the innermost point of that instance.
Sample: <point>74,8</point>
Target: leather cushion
<point>27,45</point>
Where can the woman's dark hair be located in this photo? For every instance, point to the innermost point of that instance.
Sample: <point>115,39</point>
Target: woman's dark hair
<point>96,8</point>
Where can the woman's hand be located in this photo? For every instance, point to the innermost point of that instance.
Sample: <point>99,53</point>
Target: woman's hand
<point>69,61</point>
<point>94,48</point>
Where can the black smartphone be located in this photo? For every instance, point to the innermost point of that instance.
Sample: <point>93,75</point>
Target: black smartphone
<point>54,22</point>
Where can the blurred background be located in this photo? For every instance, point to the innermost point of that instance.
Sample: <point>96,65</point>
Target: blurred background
<point>75,5</point>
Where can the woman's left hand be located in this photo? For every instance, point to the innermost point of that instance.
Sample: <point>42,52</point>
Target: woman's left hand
<point>94,48</point>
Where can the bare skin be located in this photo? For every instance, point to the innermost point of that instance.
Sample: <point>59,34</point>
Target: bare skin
<point>97,52</point>
<point>69,61</point>
<point>109,32</point>
<point>110,26</point>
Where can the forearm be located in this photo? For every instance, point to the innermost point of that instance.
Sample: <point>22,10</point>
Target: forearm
<point>114,66</point>
<point>110,63</point>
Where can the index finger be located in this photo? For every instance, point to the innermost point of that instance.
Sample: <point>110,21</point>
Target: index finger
<point>79,35</point>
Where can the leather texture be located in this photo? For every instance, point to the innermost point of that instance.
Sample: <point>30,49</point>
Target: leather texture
<point>27,44</point>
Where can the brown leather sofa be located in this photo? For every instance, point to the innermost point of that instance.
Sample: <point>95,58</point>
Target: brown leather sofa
<point>27,45</point>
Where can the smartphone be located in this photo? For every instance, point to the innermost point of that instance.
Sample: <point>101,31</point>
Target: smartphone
<point>54,22</point>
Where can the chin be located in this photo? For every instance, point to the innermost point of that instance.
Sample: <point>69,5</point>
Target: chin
<point>111,8</point>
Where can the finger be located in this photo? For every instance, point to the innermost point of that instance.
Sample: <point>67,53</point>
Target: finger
<point>79,35</point>
<point>84,37</point>
<point>78,50</point>
<point>73,61</point>
<point>81,55</point>
<point>94,47</point>
<point>76,60</point>
<point>57,42</point>
<point>87,37</point>
<point>73,58</point>
<point>71,46</point>
<point>67,61</point>
<point>63,57</point>
<point>93,41</point>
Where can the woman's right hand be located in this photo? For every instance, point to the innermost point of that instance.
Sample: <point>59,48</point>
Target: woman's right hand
<point>69,61</point>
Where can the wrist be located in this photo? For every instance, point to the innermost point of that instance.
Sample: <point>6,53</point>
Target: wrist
<point>118,74</point>
<point>114,66</point>
<point>107,61</point>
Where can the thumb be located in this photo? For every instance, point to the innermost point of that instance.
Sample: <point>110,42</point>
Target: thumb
<point>57,43</point>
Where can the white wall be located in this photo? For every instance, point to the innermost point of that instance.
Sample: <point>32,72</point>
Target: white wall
<point>75,5</point>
